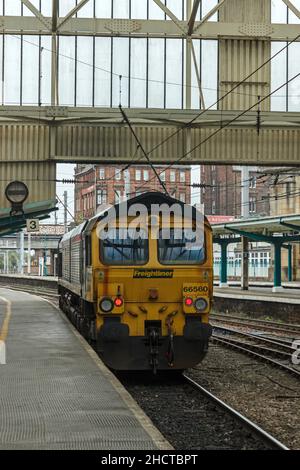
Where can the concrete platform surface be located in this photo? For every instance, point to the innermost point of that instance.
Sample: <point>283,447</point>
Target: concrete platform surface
<point>55,393</point>
<point>284,295</point>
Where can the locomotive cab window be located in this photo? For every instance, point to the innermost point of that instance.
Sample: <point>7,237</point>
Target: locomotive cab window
<point>180,246</point>
<point>122,246</point>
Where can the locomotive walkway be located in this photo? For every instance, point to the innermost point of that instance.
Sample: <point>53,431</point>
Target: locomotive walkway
<point>55,393</point>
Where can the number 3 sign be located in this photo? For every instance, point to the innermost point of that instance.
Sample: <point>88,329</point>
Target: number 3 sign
<point>33,225</point>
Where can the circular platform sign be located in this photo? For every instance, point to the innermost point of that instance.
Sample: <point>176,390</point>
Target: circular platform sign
<point>16,192</point>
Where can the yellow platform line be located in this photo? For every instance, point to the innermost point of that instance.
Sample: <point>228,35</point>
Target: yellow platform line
<point>5,324</point>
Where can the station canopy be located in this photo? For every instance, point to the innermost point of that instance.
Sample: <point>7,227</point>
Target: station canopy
<point>265,226</point>
<point>15,223</point>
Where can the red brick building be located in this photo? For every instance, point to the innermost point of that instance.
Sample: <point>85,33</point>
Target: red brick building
<point>102,184</point>
<point>222,196</point>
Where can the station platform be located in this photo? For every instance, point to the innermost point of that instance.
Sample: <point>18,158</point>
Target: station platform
<point>262,284</point>
<point>259,302</point>
<point>289,295</point>
<point>49,282</point>
<point>55,392</point>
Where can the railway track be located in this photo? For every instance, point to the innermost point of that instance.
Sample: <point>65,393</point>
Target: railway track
<point>253,428</point>
<point>273,352</point>
<point>260,438</point>
<point>277,348</point>
<point>33,290</point>
<point>192,418</point>
<point>265,325</point>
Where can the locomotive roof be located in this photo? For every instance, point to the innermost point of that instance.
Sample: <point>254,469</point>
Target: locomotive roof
<point>147,199</point>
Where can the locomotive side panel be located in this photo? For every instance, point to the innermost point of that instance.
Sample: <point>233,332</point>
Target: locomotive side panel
<point>76,267</point>
<point>71,252</point>
<point>66,259</point>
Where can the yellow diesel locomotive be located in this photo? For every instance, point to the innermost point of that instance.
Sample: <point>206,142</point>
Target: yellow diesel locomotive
<point>137,282</point>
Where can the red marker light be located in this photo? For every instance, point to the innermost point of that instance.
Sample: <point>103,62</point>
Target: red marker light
<point>188,302</point>
<point>118,302</point>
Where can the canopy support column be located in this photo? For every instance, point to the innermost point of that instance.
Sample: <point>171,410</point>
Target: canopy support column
<point>290,263</point>
<point>277,266</point>
<point>245,264</point>
<point>223,273</point>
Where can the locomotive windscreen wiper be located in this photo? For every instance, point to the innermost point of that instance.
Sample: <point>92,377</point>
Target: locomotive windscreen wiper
<point>113,245</point>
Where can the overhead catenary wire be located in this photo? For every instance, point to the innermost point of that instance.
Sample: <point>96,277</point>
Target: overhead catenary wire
<point>202,112</point>
<point>231,91</point>
<point>282,195</point>
<point>227,124</point>
<point>66,207</point>
<point>213,105</point>
<point>162,184</point>
<point>117,74</point>
<point>187,125</point>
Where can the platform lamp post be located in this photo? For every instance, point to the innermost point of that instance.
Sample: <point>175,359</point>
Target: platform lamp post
<point>16,193</point>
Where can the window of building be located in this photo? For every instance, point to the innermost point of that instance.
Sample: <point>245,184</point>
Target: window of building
<point>101,173</point>
<point>101,196</point>
<point>252,205</point>
<point>213,207</point>
<point>182,197</point>
<point>118,196</point>
<point>172,176</point>
<point>138,175</point>
<point>146,175</point>
<point>252,184</point>
<point>182,177</point>
<point>118,174</point>
<point>163,176</point>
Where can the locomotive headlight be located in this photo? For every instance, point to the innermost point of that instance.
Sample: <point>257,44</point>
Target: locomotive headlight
<point>200,304</point>
<point>106,305</point>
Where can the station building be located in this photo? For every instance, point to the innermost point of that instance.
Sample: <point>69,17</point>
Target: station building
<point>285,200</point>
<point>97,185</point>
<point>222,194</point>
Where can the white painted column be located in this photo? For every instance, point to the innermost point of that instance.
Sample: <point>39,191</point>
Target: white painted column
<point>2,353</point>
<point>21,254</point>
<point>29,254</point>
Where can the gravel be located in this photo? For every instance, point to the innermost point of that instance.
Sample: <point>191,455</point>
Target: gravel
<point>189,420</point>
<point>266,395</point>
